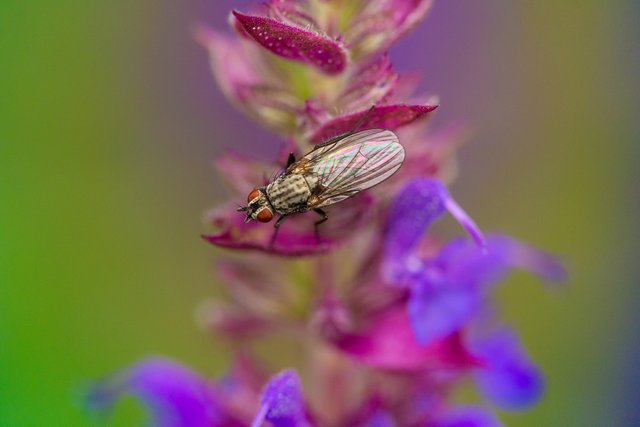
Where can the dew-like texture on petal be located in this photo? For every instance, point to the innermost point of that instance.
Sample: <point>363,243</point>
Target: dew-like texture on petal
<point>470,416</point>
<point>389,343</point>
<point>509,379</point>
<point>381,22</point>
<point>296,236</point>
<point>389,117</point>
<point>282,402</point>
<point>174,395</point>
<point>295,43</point>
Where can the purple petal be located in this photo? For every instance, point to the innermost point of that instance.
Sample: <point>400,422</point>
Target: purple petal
<point>439,309</point>
<point>419,204</point>
<point>174,395</point>
<point>389,343</point>
<point>382,22</point>
<point>297,235</point>
<point>295,43</point>
<point>519,255</point>
<point>282,403</point>
<point>384,117</point>
<point>467,263</point>
<point>464,220</point>
<point>509,379</point>
<point>379,418</point>
<point>467,417</point>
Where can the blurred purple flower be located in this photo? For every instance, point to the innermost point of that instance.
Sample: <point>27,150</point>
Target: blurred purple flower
<point>282,403</point>
<point>174,395</point>
<point>466,417</point>
<point>387,315</point>
<point>510,380</point>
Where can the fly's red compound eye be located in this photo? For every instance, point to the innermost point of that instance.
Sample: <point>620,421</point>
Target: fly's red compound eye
<point>265,215</point>
<point>254,194</point>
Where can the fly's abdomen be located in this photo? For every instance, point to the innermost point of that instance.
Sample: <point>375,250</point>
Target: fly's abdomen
<point>288,193</point>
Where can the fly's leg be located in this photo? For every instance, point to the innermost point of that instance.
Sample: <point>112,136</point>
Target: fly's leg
<point>325,217</point>
<point>291,160</point>
<point>276,226</point>
<point>362,119</point>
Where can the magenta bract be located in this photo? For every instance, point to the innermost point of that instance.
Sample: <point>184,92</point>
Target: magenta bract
<point>383,117</point>
<point>294,43</point>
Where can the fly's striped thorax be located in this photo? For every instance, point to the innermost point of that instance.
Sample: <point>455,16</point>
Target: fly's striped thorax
<point>288,193</point>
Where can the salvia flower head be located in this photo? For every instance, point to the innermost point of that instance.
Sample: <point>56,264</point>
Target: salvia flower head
<point>390,318</point>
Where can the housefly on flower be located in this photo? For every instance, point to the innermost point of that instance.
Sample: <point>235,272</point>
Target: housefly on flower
<point>330,173</point>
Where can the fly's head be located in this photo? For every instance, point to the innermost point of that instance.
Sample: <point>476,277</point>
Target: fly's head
<point>258,207</point>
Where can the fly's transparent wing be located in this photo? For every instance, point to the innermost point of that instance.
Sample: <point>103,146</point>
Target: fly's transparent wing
<point>354,163</point>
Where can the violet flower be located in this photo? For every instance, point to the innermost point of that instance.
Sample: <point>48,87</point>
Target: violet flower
<point>392,320</point>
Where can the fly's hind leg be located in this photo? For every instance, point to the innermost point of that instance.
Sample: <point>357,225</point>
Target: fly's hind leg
<point>276,227</point>
<point>325,217</point>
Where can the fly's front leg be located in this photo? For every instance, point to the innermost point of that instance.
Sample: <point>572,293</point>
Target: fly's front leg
<point>291,160</point>
<point>325,217</point>
<point>276,226</point>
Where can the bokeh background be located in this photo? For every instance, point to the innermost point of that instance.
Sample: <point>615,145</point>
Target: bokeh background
<point>109,122</point>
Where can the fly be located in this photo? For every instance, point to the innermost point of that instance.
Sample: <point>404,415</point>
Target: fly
<point>330,173</point>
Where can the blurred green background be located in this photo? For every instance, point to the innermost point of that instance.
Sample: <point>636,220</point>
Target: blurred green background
<point>109,122</point>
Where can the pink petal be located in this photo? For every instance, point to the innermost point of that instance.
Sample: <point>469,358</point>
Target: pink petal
<point>382,22</point>
<point>385,117</point>
<point>248,81</point>
<point>242,174</point>
<point>257,284</point>
<point>297,234</point>
<point>389,343</point>
<point>232,322</point>
<point>371,84</point>
<point>295,43</point>
<point>292,12</point>
<point>431,155</point>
